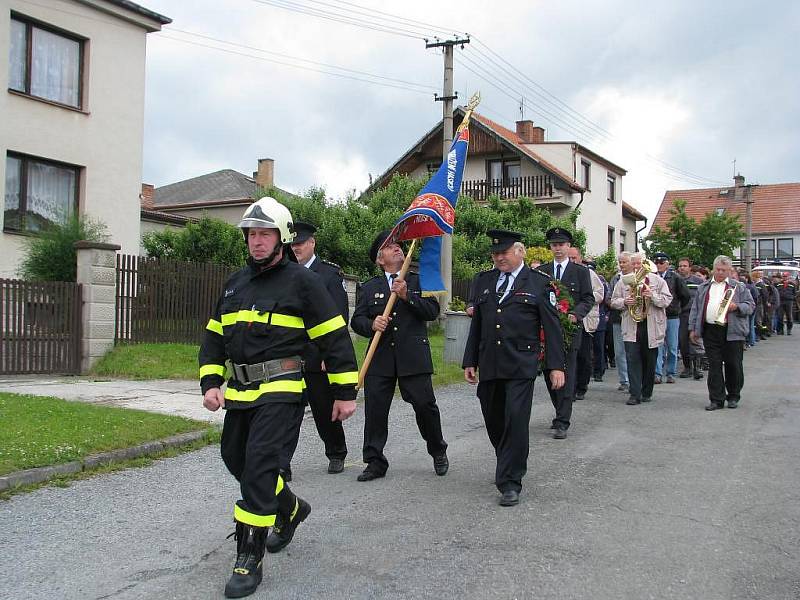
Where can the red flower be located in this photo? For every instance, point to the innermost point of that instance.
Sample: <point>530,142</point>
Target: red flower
<point>563,306</point>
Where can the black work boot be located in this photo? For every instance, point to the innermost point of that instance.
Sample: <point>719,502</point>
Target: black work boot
<point>283,531</point>
<point>697,371</point>
<point>247,571</point>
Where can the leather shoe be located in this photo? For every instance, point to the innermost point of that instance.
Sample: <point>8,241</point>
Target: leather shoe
<point>441,464</point>
<point>646,399</point>
<point>580,396</point>
<point>369,475</point>
<point>335,465</point>
<point>713,406</point>
<point>733,403</point>
<point>560,434</point>
<point>633,401</point>
<point>510,498</point>
<point>685,374</point>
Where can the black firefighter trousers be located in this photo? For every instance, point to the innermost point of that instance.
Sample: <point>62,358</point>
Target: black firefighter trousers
<point>252,441</point>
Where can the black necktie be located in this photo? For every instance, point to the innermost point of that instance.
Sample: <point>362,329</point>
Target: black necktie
<point>558,271</point>
<point>502,289</point>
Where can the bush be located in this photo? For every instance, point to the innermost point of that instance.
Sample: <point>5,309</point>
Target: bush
<point>208,240</point>
<point>51,254</point>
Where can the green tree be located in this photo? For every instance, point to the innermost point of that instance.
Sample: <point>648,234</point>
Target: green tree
<point>208,240</point>
<point>607,264</point>
<point>51,254</point>
<point>701,241</point>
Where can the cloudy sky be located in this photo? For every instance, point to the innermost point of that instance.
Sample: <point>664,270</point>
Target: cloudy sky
<point>674,92</point>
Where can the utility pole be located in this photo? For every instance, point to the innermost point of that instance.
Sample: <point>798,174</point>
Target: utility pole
<point>446,99</point>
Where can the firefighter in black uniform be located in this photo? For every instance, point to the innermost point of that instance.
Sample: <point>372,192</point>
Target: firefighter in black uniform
<point>787,292</point>
<point>261,324</point>
<point>578,282</point>
<point>318,393</point>
<point>512,307</point>
<point>403,357</point>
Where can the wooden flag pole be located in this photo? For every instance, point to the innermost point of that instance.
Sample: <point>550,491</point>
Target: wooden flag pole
<point>386,312</point>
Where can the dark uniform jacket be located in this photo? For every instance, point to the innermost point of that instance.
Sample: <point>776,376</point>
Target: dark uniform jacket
<point>271,314</point>
<point>577,280</point>
<point>692,283</point>
<point>404,348</point>
<point>787,292</point>
<point>681,298</point>
<point>503,337</point>
<point>333,279</point>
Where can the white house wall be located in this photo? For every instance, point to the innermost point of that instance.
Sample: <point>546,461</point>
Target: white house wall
<point>106,139</point>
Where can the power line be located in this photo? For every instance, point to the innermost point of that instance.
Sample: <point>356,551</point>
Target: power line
<point>299,59</point>
<point>264,58</point>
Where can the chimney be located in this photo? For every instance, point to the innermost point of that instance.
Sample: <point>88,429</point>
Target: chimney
<point>265,176</point>
<point>738,180</point>
<point>529,134</point>
<point>146,197</point>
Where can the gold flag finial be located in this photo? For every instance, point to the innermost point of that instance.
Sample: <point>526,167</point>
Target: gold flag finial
<point>474,101</point>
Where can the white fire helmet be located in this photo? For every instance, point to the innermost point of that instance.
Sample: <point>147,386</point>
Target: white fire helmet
<point>268,213</point>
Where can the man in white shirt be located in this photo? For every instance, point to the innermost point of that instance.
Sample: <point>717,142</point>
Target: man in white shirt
<point>723,332</point>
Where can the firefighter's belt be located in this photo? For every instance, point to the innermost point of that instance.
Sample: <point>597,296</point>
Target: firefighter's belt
<point>268,370</point>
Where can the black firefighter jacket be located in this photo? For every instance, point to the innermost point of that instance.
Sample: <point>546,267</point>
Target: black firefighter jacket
<point>404,348</point>
<point>333,280</point>
<point>503,337</point>
<point>272,314</point>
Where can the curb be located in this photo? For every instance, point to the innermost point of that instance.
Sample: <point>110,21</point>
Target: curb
<point>40,474</point>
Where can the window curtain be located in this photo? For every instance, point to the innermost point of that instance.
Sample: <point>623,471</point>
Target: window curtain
<point>51,195</point>
<point>16,57</point>
<point>55,68</point>
<point>11,216</point>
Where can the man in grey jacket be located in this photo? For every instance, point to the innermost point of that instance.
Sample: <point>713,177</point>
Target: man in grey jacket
<point>722,334</point>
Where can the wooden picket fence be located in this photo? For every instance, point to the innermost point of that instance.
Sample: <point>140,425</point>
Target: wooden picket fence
<point>40,327</point>
<point>165,300</point>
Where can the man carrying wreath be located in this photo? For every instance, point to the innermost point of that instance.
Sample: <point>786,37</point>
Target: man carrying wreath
<point>512,305</point>
<point>574,279</point>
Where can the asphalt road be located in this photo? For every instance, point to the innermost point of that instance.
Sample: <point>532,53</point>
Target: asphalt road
<point>653,501</point>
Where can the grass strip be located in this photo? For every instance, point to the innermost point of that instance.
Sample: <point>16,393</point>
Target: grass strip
<point>40,431</point>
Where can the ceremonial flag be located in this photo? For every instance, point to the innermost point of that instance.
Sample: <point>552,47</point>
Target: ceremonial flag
<point>433,212</point>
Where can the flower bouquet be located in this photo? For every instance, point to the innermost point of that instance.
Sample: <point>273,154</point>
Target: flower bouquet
<point>562,301</point>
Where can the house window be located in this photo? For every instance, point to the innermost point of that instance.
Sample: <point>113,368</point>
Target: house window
<point>622,239</point>
<point>766,248</point>
<point>501,172</point>
<point>586,170</point>
<point>610,237</point>
<point>612,188</point>
<point>720,211</point>
<point>38,193</point>
<point>785,247</point>
<point>45,63</point>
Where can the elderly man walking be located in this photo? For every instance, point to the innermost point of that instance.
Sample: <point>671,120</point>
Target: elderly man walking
<point>720,316</point>
<point>642,338</point>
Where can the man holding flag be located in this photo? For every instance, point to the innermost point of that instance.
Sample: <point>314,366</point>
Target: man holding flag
<point>403,356</point>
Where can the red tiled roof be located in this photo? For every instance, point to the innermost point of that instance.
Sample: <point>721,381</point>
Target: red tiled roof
<point>513,138</point>
<point>776,207</point>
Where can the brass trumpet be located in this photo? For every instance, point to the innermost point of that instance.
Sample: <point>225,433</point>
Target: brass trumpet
<point>724,306</point>
<point>635,280</point>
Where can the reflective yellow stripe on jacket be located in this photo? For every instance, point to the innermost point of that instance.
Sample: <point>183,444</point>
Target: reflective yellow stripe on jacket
<point>286,385</point>
<point>343,378</point>
<point>214,326</point>
<point>253,316</point>
<point>212,370</point>
<point>333,324</point>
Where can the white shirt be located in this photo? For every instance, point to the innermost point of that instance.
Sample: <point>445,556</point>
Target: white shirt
<point>715,293</point>
<point>310,261</point>
<point>389,277</point>
<point>563,267</point>
<point>513,275</point>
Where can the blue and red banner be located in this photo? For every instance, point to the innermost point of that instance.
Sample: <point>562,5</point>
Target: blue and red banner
<point>433,212</point>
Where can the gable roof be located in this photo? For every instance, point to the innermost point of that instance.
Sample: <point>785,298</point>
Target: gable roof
<point>776,207</point>
<point>502,134</point>
<point>220,188</point>
<point>631,213</point>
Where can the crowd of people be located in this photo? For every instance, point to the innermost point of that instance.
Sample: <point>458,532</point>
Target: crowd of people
<point>281,324</point>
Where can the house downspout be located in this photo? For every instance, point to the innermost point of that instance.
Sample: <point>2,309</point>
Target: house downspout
<point>637,234</point>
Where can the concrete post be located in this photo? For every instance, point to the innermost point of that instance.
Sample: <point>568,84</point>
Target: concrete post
<point>97,275</point>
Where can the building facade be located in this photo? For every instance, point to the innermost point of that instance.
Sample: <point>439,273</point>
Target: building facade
<point>71,132</point>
